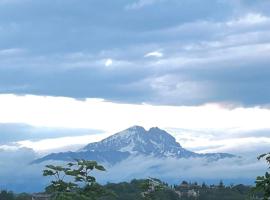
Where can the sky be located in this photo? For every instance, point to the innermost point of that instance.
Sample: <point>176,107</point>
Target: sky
<point>74,72</point>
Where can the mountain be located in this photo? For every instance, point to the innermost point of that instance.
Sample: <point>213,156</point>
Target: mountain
<point>134,141</point>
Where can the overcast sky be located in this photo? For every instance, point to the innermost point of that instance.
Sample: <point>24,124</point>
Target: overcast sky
<point>74,71</point>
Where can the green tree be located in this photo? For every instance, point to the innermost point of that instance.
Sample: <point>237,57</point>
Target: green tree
<point>58,184</point>
<point>204,186</point>
<point>5,195</point>
<point>23,196</point>
<point>221,185</point>
<point>263,182</point>
<point>82,169</point>
<point>83,185</point>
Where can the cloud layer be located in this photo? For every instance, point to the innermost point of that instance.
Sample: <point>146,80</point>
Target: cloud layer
<point>18,175</point>
<point>62,122</point>
<point>173,170</point>
<point>155,51</point>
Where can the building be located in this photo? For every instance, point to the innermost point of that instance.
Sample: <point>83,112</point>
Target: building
<point>193,193</point>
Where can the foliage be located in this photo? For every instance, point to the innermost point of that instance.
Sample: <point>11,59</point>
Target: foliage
<point>263,182</point>
<point>83,186</point>
<point>81,171</point>
<point>133,191</point>
<point>23,196</point>
<point>59,173</point>
<point>8,195</point>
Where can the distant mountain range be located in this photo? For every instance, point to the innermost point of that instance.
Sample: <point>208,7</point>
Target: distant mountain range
<point>134,141</point>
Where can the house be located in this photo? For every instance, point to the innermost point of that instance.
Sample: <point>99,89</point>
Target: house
<point>184,185</point>
<point>193,193</point>
<point>154,184</point>
<point>178,193</point>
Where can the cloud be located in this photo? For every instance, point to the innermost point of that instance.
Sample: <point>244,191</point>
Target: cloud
<point>108,62</point>
<point>218,51</point>
<point>16,173</point>
<point>231,140</point>
<point>47,111</point>
<point>14,132</point>
<point>28,178</point>
<point>173,170</point>
<point>140,4</point>
<point>71,122</point>
<point>60,144</point>
<point>7,52</point>
<point>249,19</point>
<point>217,55</point>
<point>154,54</point>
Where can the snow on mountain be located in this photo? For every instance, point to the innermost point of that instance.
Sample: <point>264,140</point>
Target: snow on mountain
<point>135,141</point>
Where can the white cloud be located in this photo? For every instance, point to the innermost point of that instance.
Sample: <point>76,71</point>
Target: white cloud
<point>249,145</point>
<point>9,147</point>
<point>156,54</point>
<point>108,62</point>
<point>98,114</point>
<point>249,19</point>
<point>74,143</point>
<point>176,170</point>
<point>207,122</point>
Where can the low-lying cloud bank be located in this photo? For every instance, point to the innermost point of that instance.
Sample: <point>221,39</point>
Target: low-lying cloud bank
<point>237,170</point>
<point>18,175</point>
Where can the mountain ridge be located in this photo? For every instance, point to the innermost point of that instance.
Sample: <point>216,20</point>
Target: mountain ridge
<point>134,141</point>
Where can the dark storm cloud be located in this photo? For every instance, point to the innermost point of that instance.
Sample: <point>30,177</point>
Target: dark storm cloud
<point>212,51</point>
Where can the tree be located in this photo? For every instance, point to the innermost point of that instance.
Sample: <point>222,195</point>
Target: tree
<point>184,183</point>
<point>5,195</point>
<point>59,173</point>
<point>83,186</point>
<point>204,186</point>
<point>23,196</point>
<point>221,185</point>
<point>263,182</point>
<point>81,171</point>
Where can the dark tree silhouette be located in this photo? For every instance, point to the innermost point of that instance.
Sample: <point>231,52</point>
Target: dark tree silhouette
<point>263,182</point>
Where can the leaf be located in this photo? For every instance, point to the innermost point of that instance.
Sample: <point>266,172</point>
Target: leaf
<point>48,173</point>
<point>90,179</point>
<point>100,167</point>
<point>79,179</point>
<point>263,155</point>
<point>71,164</point>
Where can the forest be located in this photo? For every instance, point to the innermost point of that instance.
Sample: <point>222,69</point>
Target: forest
<point>135,189</point>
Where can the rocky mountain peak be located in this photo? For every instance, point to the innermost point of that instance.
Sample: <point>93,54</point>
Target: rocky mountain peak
<point>134,141</point>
